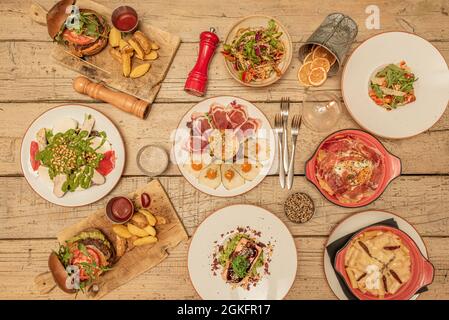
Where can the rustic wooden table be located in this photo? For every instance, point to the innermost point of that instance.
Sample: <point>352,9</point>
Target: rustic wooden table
<point>31,83</point>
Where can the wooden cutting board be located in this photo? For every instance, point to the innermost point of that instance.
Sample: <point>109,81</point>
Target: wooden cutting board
<point>102,67</point>
<point>138,259</point>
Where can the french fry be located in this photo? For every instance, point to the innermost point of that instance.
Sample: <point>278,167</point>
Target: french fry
<point>115,54</point>
<point>144,241</point>
<point>137,231</point>
<point>120,245</point>
<point>126,64</point>
<point>114,37</point>
<point>136,46</point>
<point>160,220</point>
<point>154,46</point>
<point>140,220</point>
<point>139,71</point>
<point>143,41</point>
<point>151,231</point>
<point>153,55</point>
<point>121,231</point>
<point>149,216</point>
<point>122,44</point>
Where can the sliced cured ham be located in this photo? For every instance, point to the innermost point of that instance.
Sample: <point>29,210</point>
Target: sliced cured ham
<point>237,115</point>
<point>219,117</point>
<point>349,169</point>
<point>250,127</point>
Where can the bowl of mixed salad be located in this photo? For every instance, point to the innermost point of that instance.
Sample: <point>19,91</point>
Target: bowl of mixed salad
<point>257,51</point>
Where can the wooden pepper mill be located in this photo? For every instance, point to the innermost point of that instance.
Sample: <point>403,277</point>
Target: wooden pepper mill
<point>123,101</point>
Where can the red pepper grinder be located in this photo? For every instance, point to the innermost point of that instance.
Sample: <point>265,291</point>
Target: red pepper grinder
<point>197,79</point>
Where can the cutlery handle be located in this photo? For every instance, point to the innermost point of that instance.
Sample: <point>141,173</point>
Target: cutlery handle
<point>291,168</point>
<point>123,101</point>
<point>281,163</point>
<point>285,142</point>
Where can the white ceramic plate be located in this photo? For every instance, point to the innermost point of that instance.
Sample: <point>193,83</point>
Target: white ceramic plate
<point>431,89</point>
<point>77,198</point>
<point>255,21</point>
<point>282,266</point>
<point>265,132</point>
<point>359,221</point>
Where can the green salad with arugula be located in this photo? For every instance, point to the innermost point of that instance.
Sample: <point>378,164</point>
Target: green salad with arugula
<point>393,86</point>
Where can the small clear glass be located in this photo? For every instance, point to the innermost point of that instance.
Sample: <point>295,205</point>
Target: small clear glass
<point>152,160</point>
<point>321,111</point>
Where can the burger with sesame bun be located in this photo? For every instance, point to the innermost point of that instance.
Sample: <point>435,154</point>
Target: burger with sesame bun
<point>85,38</point>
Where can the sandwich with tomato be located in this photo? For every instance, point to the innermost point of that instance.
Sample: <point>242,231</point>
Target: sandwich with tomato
<point>81,260</point>
<point>85,33</point>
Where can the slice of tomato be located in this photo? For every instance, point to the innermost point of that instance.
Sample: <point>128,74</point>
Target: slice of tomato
<point>79,257</point>
<point>34,149</point>
<point>107,164</point>
<point>80,39</point>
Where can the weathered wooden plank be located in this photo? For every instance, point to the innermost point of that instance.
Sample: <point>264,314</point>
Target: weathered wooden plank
<point>26,67</point>
<point>419,199</point>
<point>415,153</point>
<point>22,260</point>
<point>189,18</point>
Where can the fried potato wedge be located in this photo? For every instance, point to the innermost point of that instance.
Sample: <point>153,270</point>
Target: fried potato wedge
<point>121,245</point>
<point>140,220</point>
<point>153,55</point>
<point>126,64</point>
<point>115,54</point>
<point>137,48</point>
<point>143,41</point>
<point>151,230</point>
<point>137,231</point>
<point>114,37</point>
<point>149,216</point>
<point>145,240</point>
<point>121,231</point>
<point>139,71</point>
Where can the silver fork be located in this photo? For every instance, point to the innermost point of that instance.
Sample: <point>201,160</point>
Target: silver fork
<point>296,124</point>
<point>279,130</point>
<point>285,106</point>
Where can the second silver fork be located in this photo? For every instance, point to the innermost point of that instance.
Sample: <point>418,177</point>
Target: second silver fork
<point>296,124</point>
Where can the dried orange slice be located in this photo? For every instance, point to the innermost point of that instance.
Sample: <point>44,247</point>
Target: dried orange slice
<point>308,57</point>
<point>303,74</point>
<point>321,52</point>
<point>317,76</point>
<point>321,62</point>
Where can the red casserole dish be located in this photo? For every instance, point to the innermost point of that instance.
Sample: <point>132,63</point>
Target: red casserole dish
<point>422,271</point>
<point>391,167</point>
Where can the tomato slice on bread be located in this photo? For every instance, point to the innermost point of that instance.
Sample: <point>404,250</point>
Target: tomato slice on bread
<point>80,39</point>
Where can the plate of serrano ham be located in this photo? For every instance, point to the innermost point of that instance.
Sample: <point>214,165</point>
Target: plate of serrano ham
<point>351,168</point>
<point>224,146</point>
<point>242,252</point>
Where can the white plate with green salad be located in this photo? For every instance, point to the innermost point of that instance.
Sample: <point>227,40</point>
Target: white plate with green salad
<point>395,85</point>
<point>72,155</point>
<point>242,252</point>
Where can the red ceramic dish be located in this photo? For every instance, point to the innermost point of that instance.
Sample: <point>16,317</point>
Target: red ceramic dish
<point>422,271</point>
<point>391,170</point>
